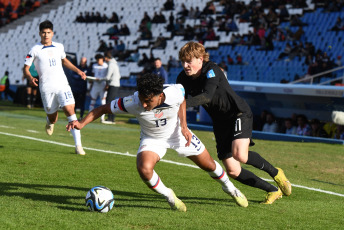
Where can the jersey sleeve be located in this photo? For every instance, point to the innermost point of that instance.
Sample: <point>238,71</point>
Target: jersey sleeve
<point>63,53</point>
<point>29,58</point>
<point>211,84</point>
<point>124,105</point>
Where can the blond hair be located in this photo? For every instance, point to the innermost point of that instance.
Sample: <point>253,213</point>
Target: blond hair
<point>193,50</point>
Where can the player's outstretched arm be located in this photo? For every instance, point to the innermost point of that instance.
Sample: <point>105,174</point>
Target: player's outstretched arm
<point>72,67</point>
<point>91,116</point>
<point>183,124</point>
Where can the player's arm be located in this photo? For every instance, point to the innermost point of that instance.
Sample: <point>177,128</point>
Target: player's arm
<point>183,123</point>
<point>72,67</point>
<point>91,116</point>
<point>27,74</point>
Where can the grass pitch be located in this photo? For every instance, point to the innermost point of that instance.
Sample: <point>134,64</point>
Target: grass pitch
<point>43,183</point>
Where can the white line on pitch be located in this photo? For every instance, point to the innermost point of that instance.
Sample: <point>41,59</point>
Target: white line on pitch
<point>167,161</point>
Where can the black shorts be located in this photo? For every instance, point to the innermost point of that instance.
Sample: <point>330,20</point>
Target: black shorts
<point>28,84</point>
<point>237,127</point>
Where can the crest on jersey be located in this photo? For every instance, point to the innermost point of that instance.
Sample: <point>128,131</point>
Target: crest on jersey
<point>210,74</point>
<point>158,114</point>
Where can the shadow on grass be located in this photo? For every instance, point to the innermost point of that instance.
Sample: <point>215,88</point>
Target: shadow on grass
<point>50,194</point>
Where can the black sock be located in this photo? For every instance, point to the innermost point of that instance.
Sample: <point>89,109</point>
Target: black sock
<point>250,179</point>
<point>259,162</point>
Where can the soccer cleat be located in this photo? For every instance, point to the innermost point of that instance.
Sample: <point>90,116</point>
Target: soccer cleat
<point>175,203</point>
<point>79,150</point>
<point>272,196</point>
<point>49,129</point>
<point>239,198</point>
<point>282,182</point>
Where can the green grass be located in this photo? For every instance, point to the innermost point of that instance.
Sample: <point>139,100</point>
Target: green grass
<point>43,185</point>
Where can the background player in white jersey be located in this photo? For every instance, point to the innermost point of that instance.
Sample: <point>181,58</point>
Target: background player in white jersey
<point>98,88</point>
<point>161,112</point>
<point>48,57</point>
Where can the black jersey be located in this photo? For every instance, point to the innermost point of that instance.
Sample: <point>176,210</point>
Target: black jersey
<point>212,90</point>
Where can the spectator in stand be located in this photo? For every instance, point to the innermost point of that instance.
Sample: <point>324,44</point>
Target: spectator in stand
<point>114,18</point>
<point>113,30</point>
<point>160,43</point>
<point>189,33</point>
<point>160,70</point>
<point>339,25</point>
<point>239,60</point>
<point>183,12</point>
<point>296,21</point>
<point>303,128</point>
<point>298,34</point>
<point>289,127</point>
<point>284,14</point>
<point>230,60</point>
<point>270,125</point>
<point>80,18</point>
<point>124,30</point>
<point>172,63</point>
<point>286,52</point>
<point>317,129</point>
<point>338,61</point>
<point>169,5</point>
<point>102,47</point>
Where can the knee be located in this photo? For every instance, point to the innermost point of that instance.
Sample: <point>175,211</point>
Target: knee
<point>145,170</point>
<point>240,156</point>
<point>233,173</point>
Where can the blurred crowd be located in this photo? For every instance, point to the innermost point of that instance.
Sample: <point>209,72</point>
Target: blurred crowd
<point>298,124</point>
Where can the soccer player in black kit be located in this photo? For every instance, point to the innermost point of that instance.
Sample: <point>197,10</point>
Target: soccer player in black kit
<point>232,120</point>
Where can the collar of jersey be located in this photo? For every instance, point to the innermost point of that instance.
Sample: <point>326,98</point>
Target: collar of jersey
<point>48,46</point>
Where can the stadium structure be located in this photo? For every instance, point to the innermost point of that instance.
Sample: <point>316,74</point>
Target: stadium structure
<point>283,86</point>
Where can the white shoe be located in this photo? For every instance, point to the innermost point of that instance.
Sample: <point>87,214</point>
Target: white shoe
<point>49,129</point>
<point>79,150</point>
<point>175,203</point>
<point>108,122</point>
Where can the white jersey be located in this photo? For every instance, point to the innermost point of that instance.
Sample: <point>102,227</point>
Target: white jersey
<point>100,72</point>
<point>48,63</point>
<point>161,122</point>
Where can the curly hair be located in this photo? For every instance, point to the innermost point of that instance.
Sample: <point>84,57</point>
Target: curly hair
<point>149,85</point>
<point>193,50</point>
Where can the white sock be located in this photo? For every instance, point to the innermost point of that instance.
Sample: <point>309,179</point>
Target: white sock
<point>221,176</point>
<point>156,184</point>
<point>75,132</point>
<point>103,102</point>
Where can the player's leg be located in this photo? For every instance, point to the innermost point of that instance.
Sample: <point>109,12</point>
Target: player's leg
<point>240,151</point>
<point>67,102</point>
<point>214,169</point>
<point>94,96</point>
<point>71,116</point>
<point>146,161</point>
<point>34,96</point>
<point>28,96</point>
<point>150,152</point>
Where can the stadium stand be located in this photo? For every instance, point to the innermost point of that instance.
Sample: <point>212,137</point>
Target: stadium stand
<point>260,64</point>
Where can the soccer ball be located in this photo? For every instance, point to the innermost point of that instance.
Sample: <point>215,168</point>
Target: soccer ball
<point>100,199</point>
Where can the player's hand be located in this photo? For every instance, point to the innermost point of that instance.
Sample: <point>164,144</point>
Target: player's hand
<point>73,125</point>
<point>82,75</point>
<point>188,136</point>
<point>33,81</point>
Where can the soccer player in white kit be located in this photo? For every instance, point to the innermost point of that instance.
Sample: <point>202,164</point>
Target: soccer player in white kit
<point>98,89</point>
<point>161,112</point>
<point>48,57</point>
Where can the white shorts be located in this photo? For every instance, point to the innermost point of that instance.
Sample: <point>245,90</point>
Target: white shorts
<point>98,91</point>
<point>160,146</point>
<point>52,101</point>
